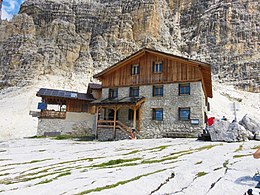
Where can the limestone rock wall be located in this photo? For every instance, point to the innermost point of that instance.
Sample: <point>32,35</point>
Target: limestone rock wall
<point>86,36</point>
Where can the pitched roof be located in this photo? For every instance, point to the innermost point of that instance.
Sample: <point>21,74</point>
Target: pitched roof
<point>43,92</point>
<point>94,86</point>
<point>204,67</point>
<point>142,52</point>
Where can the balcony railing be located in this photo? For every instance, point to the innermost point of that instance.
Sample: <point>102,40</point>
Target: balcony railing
<point>52,114</point>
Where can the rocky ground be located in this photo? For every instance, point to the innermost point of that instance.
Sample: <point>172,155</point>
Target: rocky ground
<point>160,166</point>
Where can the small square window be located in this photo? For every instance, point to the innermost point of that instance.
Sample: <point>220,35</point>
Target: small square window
<point>158,114</point>
<point>184,89</point>
<point>158,90</point>
<point>134,91</point>
<point>113,93</point>
<point>184,114</point>
<point>157,67</point>
<point>135,69</point>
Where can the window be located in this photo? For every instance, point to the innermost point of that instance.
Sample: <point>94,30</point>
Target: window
<point>113,93</point>
<point>158,90</point>
<point>157,67</point>
<point>184,114</point>
<point>134,91</point>
<point>184,89</point>
<point>135,69</point>
<point>158,114</point>
<point>131,114</point>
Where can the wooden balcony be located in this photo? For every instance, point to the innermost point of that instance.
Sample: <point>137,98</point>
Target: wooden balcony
<point>52,114</point>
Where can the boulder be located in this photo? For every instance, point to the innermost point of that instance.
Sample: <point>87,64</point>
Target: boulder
<point>228,132</point>
<point>250,124</point>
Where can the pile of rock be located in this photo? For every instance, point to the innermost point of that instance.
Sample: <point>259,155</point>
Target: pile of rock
<point>246,129</point>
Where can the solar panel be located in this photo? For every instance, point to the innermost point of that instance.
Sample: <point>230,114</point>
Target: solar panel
<point>64,94</point>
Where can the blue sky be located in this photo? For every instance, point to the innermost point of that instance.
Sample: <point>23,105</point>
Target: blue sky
<point>10,7</point>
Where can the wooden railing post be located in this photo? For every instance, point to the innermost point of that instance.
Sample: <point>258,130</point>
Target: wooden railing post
<point>114,129</point>
<point>134,122</point>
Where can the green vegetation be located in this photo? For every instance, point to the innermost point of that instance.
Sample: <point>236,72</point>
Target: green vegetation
<point>116,162</point>
<point>132,152</point>
<point>159,148</point>
<point>24,178</point>
<point>225,163</point>
<point>50,180</point>
<point>200,174</point>
<point>78,138</point>
<point>241,155</point>
<point>36,137</point>
<point>118,183</point>
<point>240,148</point>
<point>255,147</point>
<point>199,162</point>
<point>4,174</point>
<point>30,162</point>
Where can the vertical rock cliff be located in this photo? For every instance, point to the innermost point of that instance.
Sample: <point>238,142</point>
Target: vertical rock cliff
<point>86,36</point>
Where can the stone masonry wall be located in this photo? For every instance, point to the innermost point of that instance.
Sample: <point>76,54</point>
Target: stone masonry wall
<point>74,124</point>
<point>170,102</point>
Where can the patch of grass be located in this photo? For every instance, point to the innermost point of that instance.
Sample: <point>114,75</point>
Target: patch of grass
<point>30,162</point>
<point>78,138</point>
<point>62,137</point>
<point>24,178</point>
<point>199,162</point>
<point>36,137</point>
<point>165,158</point>
<point>241,155</point>
<point>255,147</point>
<point>50,180</point>
<point>41,150</point>
<point>98,189</point>
<point>240,148</point>
<point>225,163</point>
<point>116,162</point>
<point>6,159</point>
<point>159,148</point>
<point>200,174</point>
<point>132,152</point>
<point>207,147</point>
<point>45,181</point>
<point>4,174</point>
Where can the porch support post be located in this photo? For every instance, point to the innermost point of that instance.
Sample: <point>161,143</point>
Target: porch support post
<point>96,127</point>
<point>114,129</point>
<point>134,122</point>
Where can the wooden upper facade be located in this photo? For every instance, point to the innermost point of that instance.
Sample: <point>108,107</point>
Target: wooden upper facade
<point>148,66</point>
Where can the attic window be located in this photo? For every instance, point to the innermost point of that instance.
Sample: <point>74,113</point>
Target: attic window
<point>157,66</point>
<point>135,69</point>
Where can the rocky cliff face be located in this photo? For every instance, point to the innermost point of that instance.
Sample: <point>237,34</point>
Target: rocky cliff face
<point>86,36</point>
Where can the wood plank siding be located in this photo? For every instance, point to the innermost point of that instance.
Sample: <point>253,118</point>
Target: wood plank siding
<point>174,69</point>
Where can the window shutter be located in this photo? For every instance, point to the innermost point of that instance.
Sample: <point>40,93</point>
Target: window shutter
<point>153,67</point>
<point>138,69</point>
<point>131,69</point>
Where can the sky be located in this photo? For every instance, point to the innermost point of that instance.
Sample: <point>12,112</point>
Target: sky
<point>10,7</point>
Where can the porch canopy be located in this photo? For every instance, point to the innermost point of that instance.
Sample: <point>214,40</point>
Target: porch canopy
<point>116,103</point>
